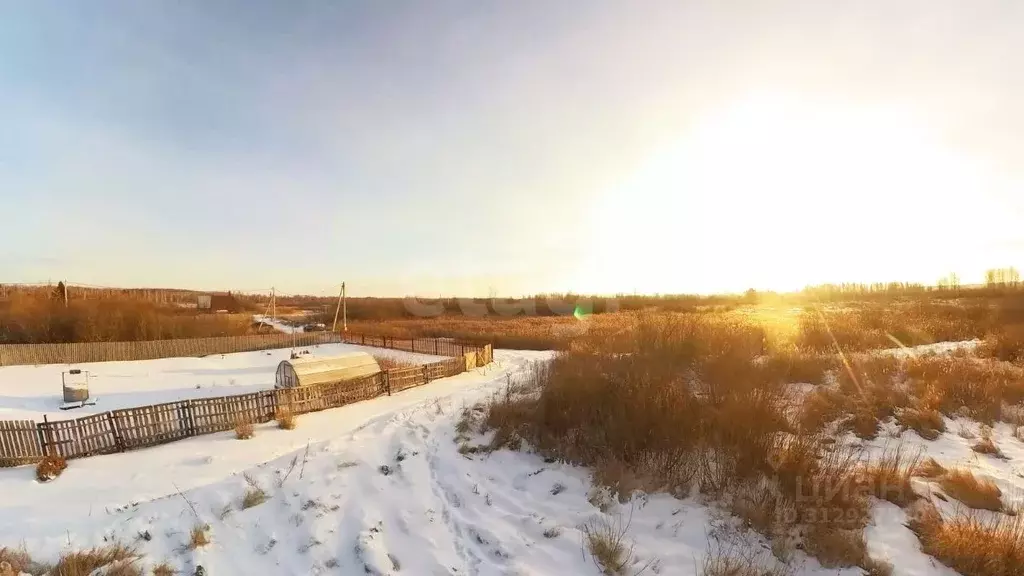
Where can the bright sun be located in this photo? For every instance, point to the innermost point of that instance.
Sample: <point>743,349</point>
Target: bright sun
<point>779,192</point>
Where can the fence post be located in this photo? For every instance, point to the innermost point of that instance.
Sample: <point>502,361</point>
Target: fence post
<point>118,440</point>
<point>426,375</point>
<point>45,436</point>
<point>435,346</point>
<point>387,381</point>
<point>190,418</point>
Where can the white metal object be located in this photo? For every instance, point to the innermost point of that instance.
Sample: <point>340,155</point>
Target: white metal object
<point>75,383</point>
<point>308,371</point>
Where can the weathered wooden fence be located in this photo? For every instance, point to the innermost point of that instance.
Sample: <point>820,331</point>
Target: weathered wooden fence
<point>27,442</point>
<point>81,352</point>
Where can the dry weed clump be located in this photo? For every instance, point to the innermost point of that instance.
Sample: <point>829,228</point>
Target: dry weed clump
<point>889,476</point>
<point>929,468</point>
<point>608,544</point>
<point>50,467</point>
<point>974,492</point>
<point>118,558</point>
<point>254,493</point>
<point>927,422</point>
<point>736,561</point>
<point>985,445</point>
<point>16,561</point>
<point>866,393</point>
<point>969,545</point>
<point>198,537</point>
<point>244,429</point>
<point>964,385</point>
<point>286,419</point>
<point>1007,344</point>
<point>389,363</point>
<point>164,569</point>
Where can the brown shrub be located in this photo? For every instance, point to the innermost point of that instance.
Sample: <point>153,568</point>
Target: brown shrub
<point>992,547</point>
<point>835,547</point>
<point>974,492</point>
<point>286,419</point>
<point>389,363</point>
<point>50,467</point>
<point>929,468</point>
<point>1007,344</point>
<point>965,385</point>
<point>244,430</point>
<point>85,562</point>
<point>735,561</point>
<point>199,536</point>
<point>987,446</point>
<point>608,545</point>
<point>164,569</point>
<point>17,560</point>
<point>889,476</point>
<point>254,494</point>
<point>928,423</point>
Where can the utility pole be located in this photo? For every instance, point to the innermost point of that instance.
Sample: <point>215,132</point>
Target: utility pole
<point>341,304</point>
<point>273,305</point>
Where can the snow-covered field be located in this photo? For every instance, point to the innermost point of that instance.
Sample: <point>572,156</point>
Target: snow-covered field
<point>29,392</point>
<point>380,487</point>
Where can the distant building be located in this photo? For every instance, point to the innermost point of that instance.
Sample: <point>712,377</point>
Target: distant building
<point>218,303</point>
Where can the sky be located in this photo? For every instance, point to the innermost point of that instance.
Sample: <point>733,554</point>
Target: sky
<point>508,148</point>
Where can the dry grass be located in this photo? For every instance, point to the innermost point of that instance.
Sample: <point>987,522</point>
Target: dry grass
<point>736,561</point>
<point>16,560</point>
<point>254,493</point>
<point>677,403</point>
<point>164,569</point>
<point>889,476</point>
<point>836,547</point>
<point>389,363</point>
<point>974,492</point>
<point>198,537</point>
<point>992,547</point>
<point>286,419</point>
<point>985,445</point>
<point>244,430</point>
<point>929,468</point>
<point>50,468</point>
<point>118,558</point>
<point>608,545</point>
<point>927,422</point>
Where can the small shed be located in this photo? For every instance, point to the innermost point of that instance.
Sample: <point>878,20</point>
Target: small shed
<point>310,371</point>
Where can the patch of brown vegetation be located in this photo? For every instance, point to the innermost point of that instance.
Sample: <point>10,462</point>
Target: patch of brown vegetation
<point>929,468</point>
<point>50,467</point>
<point>84,562</point>
<point>969,545</point>
<point>244,430</point>
<point>199,536</point>
<point>927,422</point>
<point>164,569</point>
<point>389,363</point>
<point>889,476</point>
<point>974,492</point>
<point>286,419</point>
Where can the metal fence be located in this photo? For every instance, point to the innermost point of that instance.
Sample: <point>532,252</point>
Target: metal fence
<point>27,442</point>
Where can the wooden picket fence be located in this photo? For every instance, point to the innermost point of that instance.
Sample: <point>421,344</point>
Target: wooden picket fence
<point>27,442</point>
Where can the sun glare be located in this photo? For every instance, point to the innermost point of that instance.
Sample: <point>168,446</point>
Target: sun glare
<point>788,192</point>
